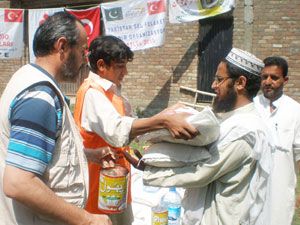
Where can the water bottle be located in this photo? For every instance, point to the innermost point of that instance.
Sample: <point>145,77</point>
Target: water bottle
<point>172,201</point>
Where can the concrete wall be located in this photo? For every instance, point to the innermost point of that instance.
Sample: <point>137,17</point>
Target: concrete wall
<point>263,27</point>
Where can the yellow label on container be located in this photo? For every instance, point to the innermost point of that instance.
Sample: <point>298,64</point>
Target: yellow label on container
<point>112,193</point>
<point>159,217</point>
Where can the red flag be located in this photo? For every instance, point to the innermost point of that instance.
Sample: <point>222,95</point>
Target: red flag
<point>13,15</point>
<point>44,18</point>
<point>91,20</point>
<point>156,7</point>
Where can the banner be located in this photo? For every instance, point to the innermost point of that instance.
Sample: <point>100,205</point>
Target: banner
<point>11,33</point>
<point>35,18</point>
<point>91,20</point>
<point>191,10</point>
<point>139,23</point>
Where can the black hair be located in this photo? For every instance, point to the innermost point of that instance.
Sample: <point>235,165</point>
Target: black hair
<point>60,24</point>
<point>277,61</point>
<point>109,48</point>
<point>253,80</point>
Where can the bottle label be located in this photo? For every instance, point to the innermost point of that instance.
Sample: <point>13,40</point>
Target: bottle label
<point>174,215</point>
<point>159,216</point>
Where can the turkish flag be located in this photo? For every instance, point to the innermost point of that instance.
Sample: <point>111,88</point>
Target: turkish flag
<point>90,19</point>
<point>155,7</point>
<point>13,15</point>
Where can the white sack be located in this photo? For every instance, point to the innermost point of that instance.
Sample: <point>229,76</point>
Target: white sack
<point>204,121</point>
<point>166,154</point>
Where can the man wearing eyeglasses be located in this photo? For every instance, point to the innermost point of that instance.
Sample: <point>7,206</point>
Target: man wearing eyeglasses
<point>282,115</point>
<point>230,188</point>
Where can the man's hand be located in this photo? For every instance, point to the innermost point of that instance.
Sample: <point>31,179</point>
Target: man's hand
<point>105,156</point>
<point>135,160</point>
<point>179,128</point>
<point>28,189</point>
<point>99,219</point>
<point>176,123</point>
<point>169,119</point>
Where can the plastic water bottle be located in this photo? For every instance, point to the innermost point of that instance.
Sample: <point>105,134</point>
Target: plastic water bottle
<point>172,201</point>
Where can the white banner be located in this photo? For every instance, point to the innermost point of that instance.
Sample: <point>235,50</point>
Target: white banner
<point>139,23</point>
<point>11,33</point>
<point>191,10</point>
<point>35,18</point>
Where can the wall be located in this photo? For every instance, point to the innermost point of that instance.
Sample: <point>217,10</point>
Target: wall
<point>156,74</point>
<point>7,67</point>
<point>262,27</point>
<point>275,31</point>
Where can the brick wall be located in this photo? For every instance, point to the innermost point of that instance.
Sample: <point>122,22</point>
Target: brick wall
<point>4,4</point>
<point>277,32</point>
<point>156,74</point>
<point>271,28</point>
<point>263,27</point>
<point>7,67</point>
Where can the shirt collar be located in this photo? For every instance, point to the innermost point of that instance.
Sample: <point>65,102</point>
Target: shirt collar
<point>67,99</point>
<point>104,83</point>
<point>45,72</point>
<point>276,103</point>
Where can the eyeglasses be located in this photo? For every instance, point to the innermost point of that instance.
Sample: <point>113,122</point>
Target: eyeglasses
<point>219,80</point>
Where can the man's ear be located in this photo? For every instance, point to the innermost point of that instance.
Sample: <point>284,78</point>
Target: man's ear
<point>101,65</point>
<point>286,79</point>
<point>241,83</point>
<point>61,45</point>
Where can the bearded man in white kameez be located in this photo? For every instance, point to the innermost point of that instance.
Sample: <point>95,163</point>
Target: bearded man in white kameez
<point>231,188</point>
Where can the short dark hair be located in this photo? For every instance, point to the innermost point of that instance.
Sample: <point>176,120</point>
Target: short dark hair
<point>277,61</point>
<point>60,24</point>
<point>109,48</point>
<point>253,81</point>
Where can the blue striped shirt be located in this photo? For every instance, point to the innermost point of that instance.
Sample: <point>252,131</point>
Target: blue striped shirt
<point>36,120</point>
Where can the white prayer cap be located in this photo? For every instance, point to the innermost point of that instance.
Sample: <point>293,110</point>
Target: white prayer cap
<point>245,61</point>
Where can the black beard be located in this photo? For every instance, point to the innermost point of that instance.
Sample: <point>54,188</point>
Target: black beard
<point>227,103</point>
<point>68,73</point>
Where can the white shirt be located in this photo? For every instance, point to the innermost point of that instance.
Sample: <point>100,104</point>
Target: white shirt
<point>284,123</point>
<point>236,177</point>
<point>100,116</point>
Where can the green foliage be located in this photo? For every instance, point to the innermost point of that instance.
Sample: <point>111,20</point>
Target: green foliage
<point>138,145</point>
<point>296,220</point>
<point>139,112</point>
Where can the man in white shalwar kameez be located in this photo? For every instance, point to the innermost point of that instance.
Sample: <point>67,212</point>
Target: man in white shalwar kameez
<point>232,187</point>
<point>281,114</point>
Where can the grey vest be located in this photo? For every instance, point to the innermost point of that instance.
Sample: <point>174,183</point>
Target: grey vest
<point>67,173</point>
